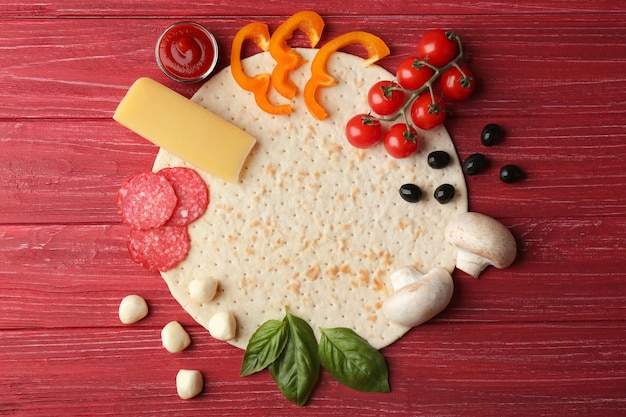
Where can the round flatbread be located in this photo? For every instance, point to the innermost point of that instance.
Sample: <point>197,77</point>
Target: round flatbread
<point>315,225</point>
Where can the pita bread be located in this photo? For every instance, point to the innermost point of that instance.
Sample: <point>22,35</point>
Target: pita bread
<point>315,224</point>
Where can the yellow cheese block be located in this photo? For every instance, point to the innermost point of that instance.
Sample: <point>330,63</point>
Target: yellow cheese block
<point>185,129</point>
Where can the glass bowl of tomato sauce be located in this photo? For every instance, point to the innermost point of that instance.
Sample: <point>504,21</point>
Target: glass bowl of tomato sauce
<point>187,52</point>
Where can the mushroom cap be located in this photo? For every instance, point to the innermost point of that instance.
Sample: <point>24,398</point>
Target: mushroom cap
<point>421,300</point>
<point>483,236</point>
<point>404,276</point>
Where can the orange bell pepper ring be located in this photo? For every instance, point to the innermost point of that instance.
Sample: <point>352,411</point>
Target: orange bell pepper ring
<point>286,58</point>
<point>259,84</point>
<point>375,47</point>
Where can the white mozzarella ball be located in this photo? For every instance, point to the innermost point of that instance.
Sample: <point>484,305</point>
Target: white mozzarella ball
<point>189,383</point>
<point>202,290</point>
<point>223,325</point>
<point>174,337</point>
<point>132,309</point>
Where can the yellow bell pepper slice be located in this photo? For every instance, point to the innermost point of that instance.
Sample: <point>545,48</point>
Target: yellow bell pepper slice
<point>375,47</point>
<point>259,84</point>
<point>286,58</point>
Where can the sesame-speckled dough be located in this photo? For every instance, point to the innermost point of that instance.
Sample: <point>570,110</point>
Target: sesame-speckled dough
<point>315,224</point>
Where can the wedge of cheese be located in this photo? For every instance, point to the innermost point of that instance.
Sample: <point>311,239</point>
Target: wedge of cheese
<point>185,129</point>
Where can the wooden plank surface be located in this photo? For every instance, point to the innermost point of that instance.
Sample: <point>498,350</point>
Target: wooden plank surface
<point>451,372</point>
<point>545,337</point>
<point>150,8</point>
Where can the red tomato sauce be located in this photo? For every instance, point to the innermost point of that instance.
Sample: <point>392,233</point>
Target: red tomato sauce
<point>186,52</point>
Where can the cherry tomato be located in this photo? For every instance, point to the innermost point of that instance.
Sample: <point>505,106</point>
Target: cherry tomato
<point>457,85</point>
<point>410,77</point>
<point>436,48</point>
<point>401,141</point>
<point>383,100</point>
<point>426,113</point>
<point>363,131</point>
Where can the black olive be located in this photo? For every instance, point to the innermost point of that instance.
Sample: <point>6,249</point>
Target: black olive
<point>444,193</point>
<point>490,134</point>
<point>411,193</point>
<point>438,159</point>
<point>474,163</point>
<point>511,173</point>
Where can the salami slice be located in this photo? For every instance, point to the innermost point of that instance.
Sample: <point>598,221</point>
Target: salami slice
<point>146,201</point>
<point>159,249</point>
<point>192,193</point>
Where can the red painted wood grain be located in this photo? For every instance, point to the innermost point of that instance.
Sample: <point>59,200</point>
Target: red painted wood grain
<point>546,336</point>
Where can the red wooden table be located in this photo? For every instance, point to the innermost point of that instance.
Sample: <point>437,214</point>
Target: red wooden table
<point>546,337</point>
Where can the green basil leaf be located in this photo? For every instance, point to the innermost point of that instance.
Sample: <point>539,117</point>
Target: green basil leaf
<point>352,361</point>
<point>265,346</point>
<point>297,368</point>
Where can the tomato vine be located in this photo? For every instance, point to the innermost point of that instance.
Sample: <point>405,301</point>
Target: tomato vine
<point>425,106</point>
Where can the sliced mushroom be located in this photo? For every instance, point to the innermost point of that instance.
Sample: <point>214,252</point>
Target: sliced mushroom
<point>421,299</point>
<point>481,241</point>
